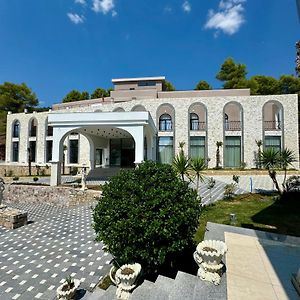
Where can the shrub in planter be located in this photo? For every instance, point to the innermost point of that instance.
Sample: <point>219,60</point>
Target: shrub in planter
<point>146,214</point>
<point>16,178</point>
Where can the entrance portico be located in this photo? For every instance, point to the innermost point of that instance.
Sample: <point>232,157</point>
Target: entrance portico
<point>110,126</point>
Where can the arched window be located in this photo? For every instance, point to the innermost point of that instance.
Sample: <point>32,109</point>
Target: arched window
<point>272,115</point>
<point>16,129</point>
<point>165,122</point>
<point>233,112</point>
<point>33,128</point>
<point>194,121</point>
<point>119,109</point>
<point>138,108</point>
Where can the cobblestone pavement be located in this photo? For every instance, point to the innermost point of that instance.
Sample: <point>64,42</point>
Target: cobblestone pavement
<point>56,243</point>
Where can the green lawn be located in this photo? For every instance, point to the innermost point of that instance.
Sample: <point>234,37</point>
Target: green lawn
<point>254,211</point>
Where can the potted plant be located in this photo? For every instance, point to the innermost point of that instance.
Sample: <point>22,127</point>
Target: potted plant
<point>208,256</point>
<point>125,279</point>
<point>67,290</point>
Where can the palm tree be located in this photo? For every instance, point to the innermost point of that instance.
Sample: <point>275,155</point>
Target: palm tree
<point>259,144</point>
<point>197,165</point>
<point>181,163</point>
<point>287,157</point>
<point>218,161</point>
<point>270,159</point>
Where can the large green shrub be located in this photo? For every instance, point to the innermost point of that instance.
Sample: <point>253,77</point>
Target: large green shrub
<point>146,214</point>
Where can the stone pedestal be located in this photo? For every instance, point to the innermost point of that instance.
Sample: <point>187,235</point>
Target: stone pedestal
<point>12,218</point>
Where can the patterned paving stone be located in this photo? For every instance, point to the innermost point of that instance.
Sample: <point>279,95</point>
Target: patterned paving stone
<point>57,242</point>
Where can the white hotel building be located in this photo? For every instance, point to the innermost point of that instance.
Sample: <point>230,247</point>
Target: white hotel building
<point>141,121</point>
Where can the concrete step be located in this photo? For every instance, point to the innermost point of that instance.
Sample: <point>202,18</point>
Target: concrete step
<point>110,294</point>
<point>143,291</point>
<point>97,294</point>
<point>183,287</point>
<point>164,283</point>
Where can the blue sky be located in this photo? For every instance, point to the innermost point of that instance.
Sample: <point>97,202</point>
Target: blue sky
<point>55,46</point>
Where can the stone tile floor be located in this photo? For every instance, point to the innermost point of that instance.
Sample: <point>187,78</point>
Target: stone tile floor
<point>260,269</point>
<point>58,242</point>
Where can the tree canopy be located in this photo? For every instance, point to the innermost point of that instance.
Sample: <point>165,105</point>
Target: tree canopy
<point>168,86</point>
<point>75,95</point>
<point>234,77</point>
<point>232,74</point>
<point>15,98</point>
<point>203,85</point>
<point>100,93</point>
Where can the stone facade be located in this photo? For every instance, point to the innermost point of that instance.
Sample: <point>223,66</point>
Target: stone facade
<point>214,103</point>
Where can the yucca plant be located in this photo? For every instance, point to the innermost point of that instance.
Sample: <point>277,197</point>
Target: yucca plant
<point>218,160</point>
<point>259,144</point>
<point>270,159</point>
<point>197,165</point>
<point>181,163</point>
<point>287,157</point>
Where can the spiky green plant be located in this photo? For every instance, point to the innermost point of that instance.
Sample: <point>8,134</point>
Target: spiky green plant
<point>287,157</point>
<point>181,163</point>
<point>197,165</point>
<point>270,159</point>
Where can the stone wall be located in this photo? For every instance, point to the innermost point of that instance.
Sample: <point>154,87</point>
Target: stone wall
<point>252,107</point>
<point>59,196</point>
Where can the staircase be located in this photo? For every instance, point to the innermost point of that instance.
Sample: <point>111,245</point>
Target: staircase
<point>183,287</point>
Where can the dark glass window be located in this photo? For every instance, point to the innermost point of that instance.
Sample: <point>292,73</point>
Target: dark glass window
<point>49,147</point>
<point>33,127</point>
<point>194,121</point>
<point>32,147</point>
<point>165,150</point>
<point>73,151</point>
<point>273,142</point>
<point>197,146</point>
<point>16,129</point>
<point>165,122</point>
<point>15,152</point>
<point>50,131</point>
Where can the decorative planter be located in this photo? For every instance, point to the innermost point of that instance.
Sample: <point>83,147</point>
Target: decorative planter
<point>67,294</point>
<point>125,279</point>
<point>208,256</point>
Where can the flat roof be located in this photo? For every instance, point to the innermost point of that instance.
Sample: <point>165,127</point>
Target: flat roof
<point>157,78</point>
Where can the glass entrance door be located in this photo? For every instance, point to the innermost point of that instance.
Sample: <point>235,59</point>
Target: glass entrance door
<point>98,157</point>
<point>232,153</point>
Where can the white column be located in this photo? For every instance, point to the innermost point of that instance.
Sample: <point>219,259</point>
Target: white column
<point>55,173</point>
<point>57,154</point>
<point>137,132</point>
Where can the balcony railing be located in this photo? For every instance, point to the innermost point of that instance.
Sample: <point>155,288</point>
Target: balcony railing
<point>165,125</point>
<point>272,125</point>
<point>197,125</point>
<point>233,125</point>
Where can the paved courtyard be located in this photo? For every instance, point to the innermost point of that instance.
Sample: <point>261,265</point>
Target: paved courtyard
<point>57,243</point>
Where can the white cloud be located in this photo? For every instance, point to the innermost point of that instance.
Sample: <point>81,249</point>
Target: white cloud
<point>82,2</point>
<point>168,9</point>
<point>186,6</point>
<point>104,6</point>
<point>76,19</point>
<point>114,13</point>
<point>229,17</point>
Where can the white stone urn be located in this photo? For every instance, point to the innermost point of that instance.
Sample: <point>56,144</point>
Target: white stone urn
<point>63,292</point>
<point>125,279</point>
<point>208,256</point>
